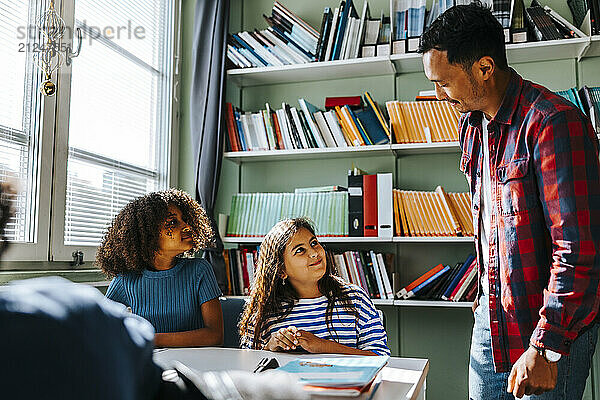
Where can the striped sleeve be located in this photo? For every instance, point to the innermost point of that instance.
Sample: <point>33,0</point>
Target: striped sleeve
<point>371,334</point>
<point>208,287</point>
<point>116,291</point>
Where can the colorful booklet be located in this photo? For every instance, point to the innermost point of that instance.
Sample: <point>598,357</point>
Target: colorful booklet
<point>336,372</point>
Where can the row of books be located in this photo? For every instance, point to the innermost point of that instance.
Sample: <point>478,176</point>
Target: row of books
<point>442,282</point>
<point>588,100</point>
<point>239,268</point>
<point>367,269</point>
<point>586,15</point>
<point>345,33</point>
<point>432,213</point>
<point>423,121</point>
<point>254,214</point>
<point>348,121</point>
<point>287,40</point>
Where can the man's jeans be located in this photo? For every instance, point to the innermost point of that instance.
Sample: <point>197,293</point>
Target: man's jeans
<point>485,384</point>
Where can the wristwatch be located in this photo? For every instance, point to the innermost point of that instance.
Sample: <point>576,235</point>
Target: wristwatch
<point>549,355</point>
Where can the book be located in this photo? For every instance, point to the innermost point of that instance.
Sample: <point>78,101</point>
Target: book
<point>370,213</point>
<point>340,101</point>
<point>348,371</point>
<point>405,290</point>
<point>355,205</point>
<point>385,213</point>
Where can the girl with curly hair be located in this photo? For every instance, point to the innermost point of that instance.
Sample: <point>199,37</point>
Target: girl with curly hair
<point>296,303</point>
<point>146,250</point>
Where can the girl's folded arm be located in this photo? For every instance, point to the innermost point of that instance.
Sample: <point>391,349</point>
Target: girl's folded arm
<point>210,335</point>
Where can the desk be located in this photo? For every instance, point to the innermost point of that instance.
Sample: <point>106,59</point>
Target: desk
<point>403,378</point>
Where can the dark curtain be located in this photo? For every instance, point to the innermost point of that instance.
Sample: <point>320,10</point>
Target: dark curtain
<point>206,104</point>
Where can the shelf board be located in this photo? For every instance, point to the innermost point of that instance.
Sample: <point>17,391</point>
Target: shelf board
<point>409,62</point>
<point>426,148</point>
<point>548,50</point>
<point>327,239</point>
<point>305,154</point>
<point>433,303</point>
<point>383,302</point>
<point>434,239</point>
<point>594,49</point>
<point>348,239</point>
<point>316,71</point>
<point>401,303</point>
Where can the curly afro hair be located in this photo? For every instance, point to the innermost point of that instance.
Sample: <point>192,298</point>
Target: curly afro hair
<point>131,241</point>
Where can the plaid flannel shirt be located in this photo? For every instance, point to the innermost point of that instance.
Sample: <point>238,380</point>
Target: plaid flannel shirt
<point>544,244</point>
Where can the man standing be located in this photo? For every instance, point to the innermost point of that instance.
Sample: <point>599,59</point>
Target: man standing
<point>531,160</point>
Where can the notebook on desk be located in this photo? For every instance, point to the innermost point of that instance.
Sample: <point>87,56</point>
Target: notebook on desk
<point>336,372</point>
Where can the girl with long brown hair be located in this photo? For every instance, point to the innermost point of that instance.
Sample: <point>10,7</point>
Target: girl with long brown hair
<point>296,301</point>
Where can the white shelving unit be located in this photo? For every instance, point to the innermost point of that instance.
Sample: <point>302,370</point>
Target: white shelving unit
<point>405,63</point>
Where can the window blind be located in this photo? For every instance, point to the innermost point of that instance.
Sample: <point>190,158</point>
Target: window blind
<point>119,122</point>
<point>20,113</point>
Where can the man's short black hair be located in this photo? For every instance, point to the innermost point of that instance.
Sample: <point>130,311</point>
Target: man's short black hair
<point>466,33</point>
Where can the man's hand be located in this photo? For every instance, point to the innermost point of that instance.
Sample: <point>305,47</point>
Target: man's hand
<point>311,343</point>
<point>283,339</point>
<point>531,374</point>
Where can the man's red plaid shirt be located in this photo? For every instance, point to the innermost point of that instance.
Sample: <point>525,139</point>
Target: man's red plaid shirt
<point>544,245</point>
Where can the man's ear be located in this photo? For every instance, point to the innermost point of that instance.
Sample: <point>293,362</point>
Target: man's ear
<point>486,67</point>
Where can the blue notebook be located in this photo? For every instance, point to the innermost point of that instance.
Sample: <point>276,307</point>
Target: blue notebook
<point>336,371</point>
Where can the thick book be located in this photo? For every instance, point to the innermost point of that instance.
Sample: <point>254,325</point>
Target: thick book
<point>346,371</point>
<point>371,225</point>
<point>385,216</point>
<point>355,205</point>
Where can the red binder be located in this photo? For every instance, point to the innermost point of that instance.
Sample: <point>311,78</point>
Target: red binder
<point>370,205</point>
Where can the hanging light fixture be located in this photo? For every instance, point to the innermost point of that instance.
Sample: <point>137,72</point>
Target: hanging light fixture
<point>49,57</point>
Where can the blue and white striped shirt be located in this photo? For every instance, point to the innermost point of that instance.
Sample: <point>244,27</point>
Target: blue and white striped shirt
<point>364,333</point>
<point>170,300</point>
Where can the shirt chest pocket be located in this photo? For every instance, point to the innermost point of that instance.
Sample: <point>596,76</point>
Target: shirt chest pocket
<point>517,186</point>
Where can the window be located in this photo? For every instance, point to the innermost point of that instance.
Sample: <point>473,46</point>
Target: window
<point>109,126</point>
<point>19,116</point>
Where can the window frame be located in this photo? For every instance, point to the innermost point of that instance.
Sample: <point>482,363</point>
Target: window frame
<point>53,152</point>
